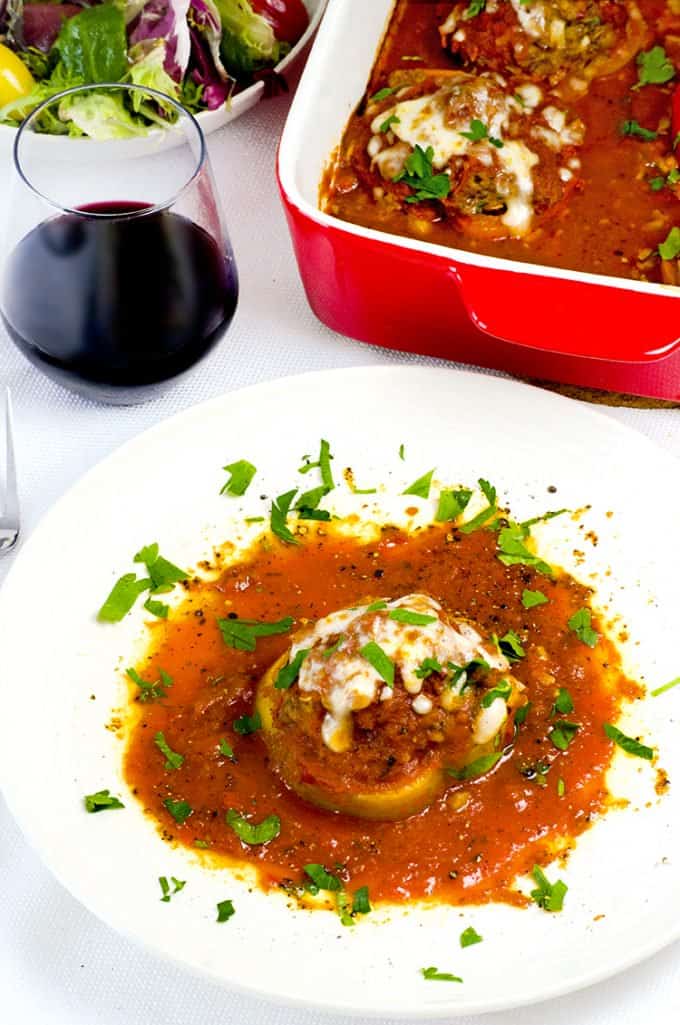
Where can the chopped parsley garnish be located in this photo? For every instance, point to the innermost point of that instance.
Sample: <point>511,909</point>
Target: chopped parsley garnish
<point>203,845</point>
<point>421,487</point>
<point>563,733</point>
<point>151,691</point>
<point>377,606</point>
<point>419,175</point>
<point>479,132</point>
<point>656,184</point>
<point>103,800</point>
<point>323,463</point>
<point>511,646</point>
<point>429,666</point>
<point>561,787</point>
<point>666,686</point>
<point>635,129</point>
<point>226,749</point>
<point>241,475</point>
<point>290,672</point>
<point>564,704</point>
<point>382,664</point>
<point>474,8</point>
<point>388,122</point>
<point>382,94</point>
<point>333,648</point>
<point>157,608</point>
<point>123,596</point>
<point>469,937</point>
<point>531,599</point>
<point>309,500</point>
<point>549,896</point>
<point>451,504</point>
<point>180,810</point>
<point>243,634</point>
<point>402,452</point>
<point>522,713</point>
<point>252,833</point>
<point>247,724</point>
<point>491,509</point>
<point>512,550</point>
<point>433,974</point>
<point>163,573</point>
<point>278,516</point>
<point>343,906</point>
<point>173,759</point>
<point>655,68</point>
<point>178,885</point>
<point>478,767</point>
<point>580,624</point>
<point>502,690</point>
<point>225,909</point>
<point>361,904</point>
<point>321,879</point>
<point>628,744</point>
<point>670,248</point>
<point>410,617</point>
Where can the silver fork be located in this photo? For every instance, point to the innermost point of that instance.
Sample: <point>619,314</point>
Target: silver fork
<point>9,499</point>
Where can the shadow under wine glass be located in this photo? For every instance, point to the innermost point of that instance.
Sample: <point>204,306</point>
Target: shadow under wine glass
<point>118,272</point>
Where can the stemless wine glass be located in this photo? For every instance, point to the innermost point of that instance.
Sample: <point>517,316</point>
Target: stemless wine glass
<point>118,271</point>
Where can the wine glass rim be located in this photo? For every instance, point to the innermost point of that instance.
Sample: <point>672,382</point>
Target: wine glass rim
<point>128,86</point>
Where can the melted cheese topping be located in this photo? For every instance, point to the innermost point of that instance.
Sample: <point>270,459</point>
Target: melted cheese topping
<point>347,682</point>
<point>518,160</point>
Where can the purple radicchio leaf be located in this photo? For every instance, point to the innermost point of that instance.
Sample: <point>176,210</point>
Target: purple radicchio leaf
<point>167,20</point>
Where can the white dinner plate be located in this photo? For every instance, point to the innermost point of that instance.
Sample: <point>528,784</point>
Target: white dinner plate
<point>623,902</point>
<point>210,120</point>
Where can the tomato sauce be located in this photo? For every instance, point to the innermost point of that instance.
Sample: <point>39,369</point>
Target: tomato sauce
<point>470,845</point>
<point>612,221</point>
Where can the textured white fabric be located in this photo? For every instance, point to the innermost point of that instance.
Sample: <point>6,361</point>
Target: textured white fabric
<point>57,963</point>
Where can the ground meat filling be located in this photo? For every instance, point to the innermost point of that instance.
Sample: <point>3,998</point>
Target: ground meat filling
<point>547,40</point>
<point>509,152</point>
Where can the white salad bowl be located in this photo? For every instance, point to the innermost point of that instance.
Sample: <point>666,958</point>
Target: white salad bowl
<point>209,120</point>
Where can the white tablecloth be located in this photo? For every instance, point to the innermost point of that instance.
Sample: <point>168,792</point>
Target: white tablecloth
<point>58,964</point>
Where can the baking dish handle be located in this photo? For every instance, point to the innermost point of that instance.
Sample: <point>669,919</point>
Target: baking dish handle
<point>570,317</point>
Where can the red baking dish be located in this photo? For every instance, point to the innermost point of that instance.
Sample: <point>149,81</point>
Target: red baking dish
<point>535,321</point>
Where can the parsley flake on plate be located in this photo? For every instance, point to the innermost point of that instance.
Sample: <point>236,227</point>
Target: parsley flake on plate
<point>361,904</point>
<point>669,249</point>
<point>123,596</point>
<point>173,759</point>
<point>333,648</point>
<point>628,744</point>
<point>157,608</point>
<point>321,879</point>
<point>163,573</point>
<point>254,833</point>
<point>243,634</point>
<point>580,624</point>
<point>180,810</point>
<point>564,703</point>
<point>382,94</point>
<point>383,665</point>
<point>226,749</point>
<point>411,618</point>
<point>151,691</point>
<point>478,132</point>
<point>419,175</point>
<point>247,724</point>
<point>103,800</point>
<point>421,487</point>
<point>563,733</point>
<point>323,463</point>
<point>532,599</point>
<point>225,909</point>
<point>241,475</point>
<point>290,672</point>
<point>549,896</point>
<point>511,646</point>
<point>479,767</point>
<point>469,937</point>
<point>429,666</point>
<point>278,517</point>
<point>654,68</point>
<point>474,8</point>
<point>665,687</point>
<point>501,690</point>
<point>433,974</point>
<point>482,517</point>
<point>178,884</point>
<point>512,550</point>
<point>632,128</point>
<point>452,503</point>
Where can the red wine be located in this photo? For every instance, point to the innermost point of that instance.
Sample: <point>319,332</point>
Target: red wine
<point>115,307</point>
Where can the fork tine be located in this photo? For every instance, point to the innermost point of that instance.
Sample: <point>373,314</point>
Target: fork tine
<point>11,497</point>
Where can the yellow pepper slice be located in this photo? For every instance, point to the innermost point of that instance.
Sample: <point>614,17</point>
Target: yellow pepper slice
<point>15,78</point>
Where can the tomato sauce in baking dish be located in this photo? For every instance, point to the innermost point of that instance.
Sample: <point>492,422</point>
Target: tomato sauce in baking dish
<point>546,132</point>
<point>420,714</point>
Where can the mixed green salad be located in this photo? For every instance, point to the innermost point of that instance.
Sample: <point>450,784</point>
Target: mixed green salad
<point>195,51</point>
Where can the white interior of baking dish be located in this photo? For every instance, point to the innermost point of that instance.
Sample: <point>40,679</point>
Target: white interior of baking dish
<point>333,83</point>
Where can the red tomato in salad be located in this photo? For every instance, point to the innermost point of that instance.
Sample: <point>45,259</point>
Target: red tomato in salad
<point>288,18</point>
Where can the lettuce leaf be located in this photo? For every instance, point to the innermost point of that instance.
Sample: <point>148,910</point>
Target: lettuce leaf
<point>248,41</point>
<point>92,46</point>
<point>100,116</point>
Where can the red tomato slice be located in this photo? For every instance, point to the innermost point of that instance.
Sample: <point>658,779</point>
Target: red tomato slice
<point>288,18</point>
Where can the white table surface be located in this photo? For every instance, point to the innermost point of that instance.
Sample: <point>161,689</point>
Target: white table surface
<point>58,964</point>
